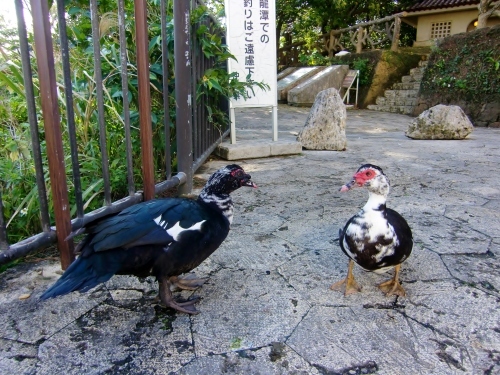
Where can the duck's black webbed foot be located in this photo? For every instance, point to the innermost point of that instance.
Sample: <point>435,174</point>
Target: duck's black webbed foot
<point>188,283</point>
<point>168,300</point>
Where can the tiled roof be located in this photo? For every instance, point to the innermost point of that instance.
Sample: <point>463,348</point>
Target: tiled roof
<point>437,4</point>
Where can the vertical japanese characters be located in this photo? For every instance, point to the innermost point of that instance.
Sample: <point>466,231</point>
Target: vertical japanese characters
<point>256,28</point>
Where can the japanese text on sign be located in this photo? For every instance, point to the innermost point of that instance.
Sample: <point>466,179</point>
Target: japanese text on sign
<point>252,40</point>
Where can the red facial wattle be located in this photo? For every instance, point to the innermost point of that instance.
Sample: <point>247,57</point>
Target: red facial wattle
<point>363,176</point>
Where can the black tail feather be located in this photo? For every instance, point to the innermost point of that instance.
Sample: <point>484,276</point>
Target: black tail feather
<point>81,275</point>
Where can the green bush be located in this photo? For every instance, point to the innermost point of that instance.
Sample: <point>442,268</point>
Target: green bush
<point>465,67</point>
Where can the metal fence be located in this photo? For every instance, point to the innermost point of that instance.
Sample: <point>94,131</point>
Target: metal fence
<point>195,137</point>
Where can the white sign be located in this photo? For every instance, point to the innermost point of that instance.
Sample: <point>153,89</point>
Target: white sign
<point>251,38</point>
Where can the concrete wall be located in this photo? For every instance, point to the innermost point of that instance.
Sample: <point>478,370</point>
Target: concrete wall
<point>295,78</point>
<point>305,93</point>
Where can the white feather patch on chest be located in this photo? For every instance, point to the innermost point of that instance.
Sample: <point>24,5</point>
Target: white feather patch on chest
<point>370,226</point>
<point>176,230</point>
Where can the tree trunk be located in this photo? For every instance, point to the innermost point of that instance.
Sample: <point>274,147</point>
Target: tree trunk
<point>486,9</point>
<point>481,20</point>
<point>279,26</point>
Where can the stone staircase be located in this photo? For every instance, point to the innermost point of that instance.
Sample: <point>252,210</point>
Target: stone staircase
<point>402,97</point>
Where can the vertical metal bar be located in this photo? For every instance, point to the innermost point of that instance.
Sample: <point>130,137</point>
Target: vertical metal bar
<point>141,36</point>
<point>201,114</point>
<point>203,124</point>
<point>166,102</point>
<point>357,88</point>
<point>195,58</point>
<point>4,244</point>
<point>30,102</point>
<point>53,136</point>
<point>232,120</point>
<point>183,92</point>
<point>126,109</point>
<point>70,113</point>
<point>100,100</point>
<point>275,122</point>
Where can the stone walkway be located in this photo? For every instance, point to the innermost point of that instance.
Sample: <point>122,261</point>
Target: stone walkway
<point>267,307</point>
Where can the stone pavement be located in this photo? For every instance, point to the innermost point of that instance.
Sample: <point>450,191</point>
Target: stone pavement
<point>267,307</point>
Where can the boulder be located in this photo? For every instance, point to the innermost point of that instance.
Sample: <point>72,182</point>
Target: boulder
<point>325,125</point>
<point>440,122</point>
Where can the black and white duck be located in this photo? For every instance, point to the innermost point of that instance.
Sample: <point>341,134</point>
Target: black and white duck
<point>161,237</point>
<point>377,238</point>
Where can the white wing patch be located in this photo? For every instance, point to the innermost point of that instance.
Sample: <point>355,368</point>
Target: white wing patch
<point>176,230</point>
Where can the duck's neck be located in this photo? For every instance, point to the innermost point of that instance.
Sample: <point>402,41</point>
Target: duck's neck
<point>375,202</point>
<point>220,202</point>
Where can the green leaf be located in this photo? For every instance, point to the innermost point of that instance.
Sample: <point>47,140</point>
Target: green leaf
<point>11,84</point>
<point>216,85</point>
<point>156,41</point>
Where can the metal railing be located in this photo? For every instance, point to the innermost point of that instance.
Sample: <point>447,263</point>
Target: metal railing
<point>195,136</point>
<point>370,34</point>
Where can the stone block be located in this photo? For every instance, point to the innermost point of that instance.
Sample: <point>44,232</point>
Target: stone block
<point>325,125</point>
<point>440,122</point>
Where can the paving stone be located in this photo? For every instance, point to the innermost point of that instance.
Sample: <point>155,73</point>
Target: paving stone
<point>17,358</point>
<point>30,320</point>
<point>377,339</point>
<point>277,359</point>
<point>480,219</point>
<point>115,340</point>
<point>474,332</point>
<point>482,271</point>
<point>245,309</point>
<point>446,236</point>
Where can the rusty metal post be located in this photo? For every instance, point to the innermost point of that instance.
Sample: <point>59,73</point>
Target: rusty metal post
<point>141,36</point>
<point>395,34</point>
<point>125,91</point>
<point>52,125</point>
<point>32,117</point>
<point>183,95</point>
<point>166,101</point>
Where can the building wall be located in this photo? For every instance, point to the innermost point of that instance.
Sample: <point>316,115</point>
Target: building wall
<point>460,20</point>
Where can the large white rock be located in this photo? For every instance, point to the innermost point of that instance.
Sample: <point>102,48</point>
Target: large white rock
<point>440,122</point>
<point>325,124</point>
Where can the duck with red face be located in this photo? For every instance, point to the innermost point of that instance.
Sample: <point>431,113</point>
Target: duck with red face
<point>377,238</point>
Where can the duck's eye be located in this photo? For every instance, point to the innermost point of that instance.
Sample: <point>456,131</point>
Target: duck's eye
<point>369,173</point>
<point>237,173</point>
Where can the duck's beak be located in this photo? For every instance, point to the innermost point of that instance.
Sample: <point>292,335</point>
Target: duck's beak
<point>250,184</point>
<point>348,186</point>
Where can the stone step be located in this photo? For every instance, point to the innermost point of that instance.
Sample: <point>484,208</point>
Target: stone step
<point>391,94</point>
<point>402,97</point>
<point>423,63</point>
<point>404,101</point>
<point>416,72</point>
<point>418,76</point>
<point>406,86</point>
<point>407,79</point>
<point>405,110</point>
